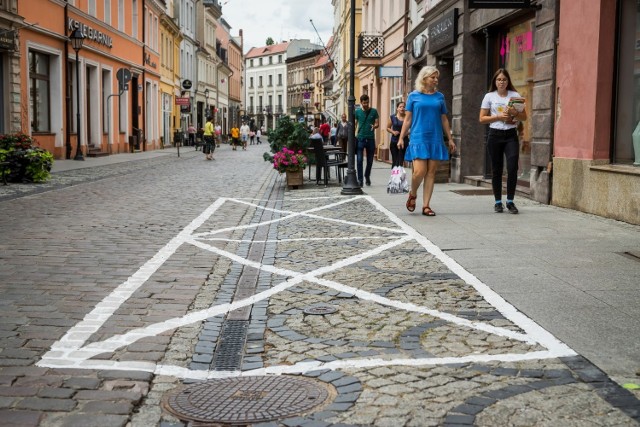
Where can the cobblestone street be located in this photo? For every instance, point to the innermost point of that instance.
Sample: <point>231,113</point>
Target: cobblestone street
<point>126,285</point>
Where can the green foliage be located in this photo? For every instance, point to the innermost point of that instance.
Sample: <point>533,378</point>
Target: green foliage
<point>287,134</point>
<point>26,161</point>
<point>270,41</point>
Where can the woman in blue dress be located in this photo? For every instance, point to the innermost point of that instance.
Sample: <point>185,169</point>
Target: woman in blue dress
<point>426,121</point>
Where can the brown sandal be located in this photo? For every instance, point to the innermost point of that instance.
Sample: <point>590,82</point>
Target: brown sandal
<point>411,202</point>
<point>427,211</point>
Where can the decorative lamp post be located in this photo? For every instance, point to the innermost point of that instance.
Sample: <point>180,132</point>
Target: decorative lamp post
<point>350,184</point>
<point>206,105</point>
<point>77,38</point>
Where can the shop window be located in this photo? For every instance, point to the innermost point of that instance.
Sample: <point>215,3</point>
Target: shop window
<point>39,93</point>
<point>516,53</point>
<point>627,126</point>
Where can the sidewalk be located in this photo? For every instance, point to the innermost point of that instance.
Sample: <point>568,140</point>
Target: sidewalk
<point>574,274</point>
<point>90,162</point>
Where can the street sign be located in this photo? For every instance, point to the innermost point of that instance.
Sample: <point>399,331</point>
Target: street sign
<point>124,77</point>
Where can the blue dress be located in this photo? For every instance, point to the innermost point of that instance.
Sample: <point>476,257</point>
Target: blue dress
<point>427,140</point>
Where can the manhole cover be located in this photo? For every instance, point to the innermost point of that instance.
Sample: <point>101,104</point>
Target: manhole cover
<point>248,399</point>
<point>320,309</point>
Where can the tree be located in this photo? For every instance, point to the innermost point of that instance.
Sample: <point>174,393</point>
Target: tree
<point>270,41</point>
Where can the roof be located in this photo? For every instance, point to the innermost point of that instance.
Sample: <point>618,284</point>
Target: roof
<point>255,52</point>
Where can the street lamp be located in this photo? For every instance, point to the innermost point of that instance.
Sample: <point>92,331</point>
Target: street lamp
<point>350,185</point>
<point>77,38</point>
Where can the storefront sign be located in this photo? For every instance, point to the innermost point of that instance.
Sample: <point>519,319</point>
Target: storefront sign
<point>183,100</point>
<point>148,61</point>
<point>499,4</point>
<point>8,40</point>
<point>444,32</point>
<point>390,72</point>
<point>90,33</point>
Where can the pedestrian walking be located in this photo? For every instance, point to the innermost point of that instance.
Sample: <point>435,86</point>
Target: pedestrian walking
<point>394,127</point>
<point>235,138</point>
<point>209,143</point>
<point>426,121</point>
<point>218,135</point>
<point>332,134</point>
<point>342,132</point>
<point>252,137</point>
<point>258,135</point>
<point>367,119</point>
<point>325,130</point>
<point>191,130</point>
<point>244,135</point>
<point>499,112</point>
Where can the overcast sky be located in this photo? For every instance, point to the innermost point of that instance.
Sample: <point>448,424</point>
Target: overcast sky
<point>279,19</point>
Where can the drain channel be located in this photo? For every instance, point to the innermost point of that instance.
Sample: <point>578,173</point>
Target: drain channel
<point>230,349</point>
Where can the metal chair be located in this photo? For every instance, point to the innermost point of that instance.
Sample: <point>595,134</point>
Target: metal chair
<point>324,161</point>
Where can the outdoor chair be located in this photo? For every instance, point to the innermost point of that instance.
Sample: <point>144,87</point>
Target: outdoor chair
<point>326,160</point>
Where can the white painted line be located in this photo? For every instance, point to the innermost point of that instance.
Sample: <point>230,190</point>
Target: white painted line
<point>71,351</point>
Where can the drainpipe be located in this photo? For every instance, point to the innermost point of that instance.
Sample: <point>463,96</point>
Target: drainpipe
<point>67,96</point>
<point>405,61</point>
<point>489,44</point>
<point>141,139</point>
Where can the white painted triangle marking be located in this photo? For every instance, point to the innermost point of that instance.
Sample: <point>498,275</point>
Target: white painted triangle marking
<point>72,351</point>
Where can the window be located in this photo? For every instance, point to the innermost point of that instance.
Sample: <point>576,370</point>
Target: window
<point>260,62</point>
<point>270,60</point>
<point>134,20</point>
<point>270,80</point>
<point>107,12</point>
<point>279,59</point>
<point>260,81</point>
<point>279,79</point>
<point>627,126</point>
<point>39,92</point>
<point>251,82</point>
<point>121,15</point>
<point>92,7</point>
<point>251,63</point>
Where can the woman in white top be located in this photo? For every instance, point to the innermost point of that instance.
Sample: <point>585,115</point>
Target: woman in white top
<point>502,140</point>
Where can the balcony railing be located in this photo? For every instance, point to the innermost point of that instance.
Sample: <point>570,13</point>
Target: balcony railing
<point>370,46</point>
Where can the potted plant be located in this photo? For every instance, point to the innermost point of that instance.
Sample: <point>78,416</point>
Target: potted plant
<point>22,160</point>
<point>289,144</point>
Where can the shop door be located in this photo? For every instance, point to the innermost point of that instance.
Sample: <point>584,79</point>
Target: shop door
<point>516,54</point>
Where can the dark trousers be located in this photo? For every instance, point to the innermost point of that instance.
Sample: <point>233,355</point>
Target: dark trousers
<point>368,144</point>
<point>209,146</point>
<point>503,144</point>
<point>397,154</point>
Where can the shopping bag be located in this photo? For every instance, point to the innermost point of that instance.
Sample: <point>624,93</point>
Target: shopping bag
<point>395,180</point>
<point>404,182</point>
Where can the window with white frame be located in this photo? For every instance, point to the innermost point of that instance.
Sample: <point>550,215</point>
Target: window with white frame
<point>134,19</point>
<point>107,12</point>
<point>39,92</point>
<point>91,7</point>
<point>121,15</point>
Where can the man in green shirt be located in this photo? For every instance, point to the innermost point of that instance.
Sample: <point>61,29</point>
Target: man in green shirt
<point>367,120</point>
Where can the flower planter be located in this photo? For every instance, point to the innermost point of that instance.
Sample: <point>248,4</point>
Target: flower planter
<point>294,179</point>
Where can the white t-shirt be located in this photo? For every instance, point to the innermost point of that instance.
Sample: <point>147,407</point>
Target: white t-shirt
<point>496,105</point>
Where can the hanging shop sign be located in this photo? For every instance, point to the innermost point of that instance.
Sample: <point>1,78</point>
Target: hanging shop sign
<point>90,33</point>
<point>499,4</point>
<point>8,40</point>
<point>443,32</point>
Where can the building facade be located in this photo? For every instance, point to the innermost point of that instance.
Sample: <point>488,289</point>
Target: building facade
<point>10,84</point>
<point>596,109</point>
<point>266,84</point>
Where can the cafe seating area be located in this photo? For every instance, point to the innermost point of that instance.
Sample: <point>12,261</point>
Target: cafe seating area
<point>327,157</point>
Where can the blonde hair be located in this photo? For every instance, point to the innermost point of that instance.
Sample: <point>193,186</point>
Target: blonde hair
<point>424,72</point>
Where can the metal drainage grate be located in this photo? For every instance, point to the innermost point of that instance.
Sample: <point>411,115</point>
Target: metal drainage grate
<point>230,349</point>
<point>474,192</point>
<point>320,310</point>
<point>248,399</point>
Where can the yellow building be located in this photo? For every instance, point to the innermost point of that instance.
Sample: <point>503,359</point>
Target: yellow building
<point>170,38</point>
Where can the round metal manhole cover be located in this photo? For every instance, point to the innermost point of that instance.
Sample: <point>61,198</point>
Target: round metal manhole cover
<point>248,399</point>
<point>320,309</point>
